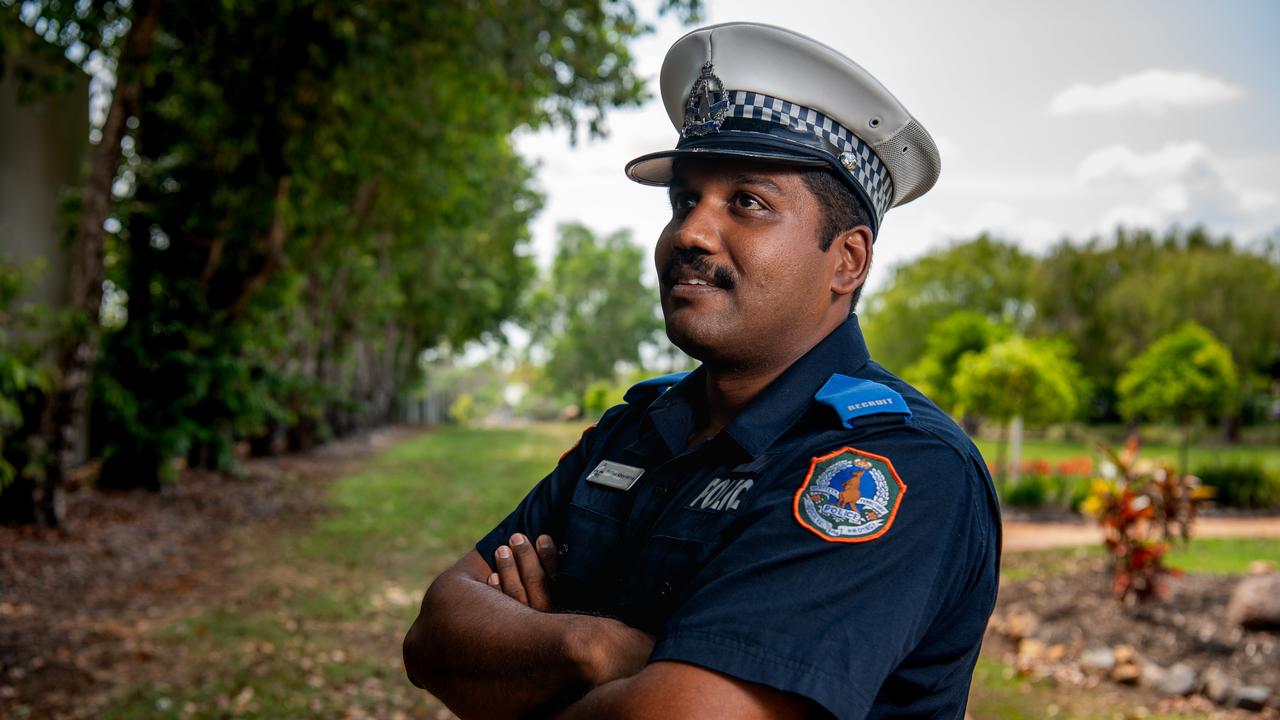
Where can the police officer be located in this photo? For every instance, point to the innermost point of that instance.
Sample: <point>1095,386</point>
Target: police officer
<point>789,530</point>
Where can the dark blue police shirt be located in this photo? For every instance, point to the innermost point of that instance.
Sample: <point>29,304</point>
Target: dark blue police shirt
<point>706,550</point>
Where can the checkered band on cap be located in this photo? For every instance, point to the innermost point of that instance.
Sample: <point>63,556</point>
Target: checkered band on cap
<point>866,167</point>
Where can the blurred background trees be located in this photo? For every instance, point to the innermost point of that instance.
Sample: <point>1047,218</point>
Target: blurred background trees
<point>287,203</point>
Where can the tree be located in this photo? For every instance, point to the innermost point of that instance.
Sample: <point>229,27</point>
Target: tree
<point>1113,299</point>
<point>946,343</point>
<point>985,275</point>
<point>1019,379</point>
<point>1184,376</point>
<point>593,311</point>
<point>297,198</point>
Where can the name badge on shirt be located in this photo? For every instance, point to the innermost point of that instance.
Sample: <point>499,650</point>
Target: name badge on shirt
<point>615,475</point>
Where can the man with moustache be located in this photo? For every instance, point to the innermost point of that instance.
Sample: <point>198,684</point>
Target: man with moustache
<point>787,531</point>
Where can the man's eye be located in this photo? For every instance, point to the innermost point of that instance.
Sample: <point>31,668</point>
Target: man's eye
<point>683,202</point>
<point>748,202</point>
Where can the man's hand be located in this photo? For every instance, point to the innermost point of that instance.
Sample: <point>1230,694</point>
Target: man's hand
<point>525,573</point>
<point>610,650</point>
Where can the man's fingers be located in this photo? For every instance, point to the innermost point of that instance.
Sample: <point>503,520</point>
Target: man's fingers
<point>548,555</point>
<point>508,575</point>
<point>533,577</point>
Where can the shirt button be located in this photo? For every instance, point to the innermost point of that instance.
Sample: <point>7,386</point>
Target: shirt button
<point>666,589</point>
<point>660,490</point>
<point>564,548</point>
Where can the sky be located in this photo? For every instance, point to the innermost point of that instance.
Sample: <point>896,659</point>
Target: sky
<point>1053,119</point>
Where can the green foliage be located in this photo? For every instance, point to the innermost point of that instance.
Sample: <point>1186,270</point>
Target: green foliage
<point>1242,484</point>
<point>1033,379</point>
<point>600,396</point>
<point>312,193</point>
<point>947,342</point>
<point>1031,491</point>
<point>463,409</point>
<point>1109,298</point>
<point>593,311</point>
<point>1183,376</point>
<point>984,276</point>
<point>1113,299</point>
<point>25,377</point>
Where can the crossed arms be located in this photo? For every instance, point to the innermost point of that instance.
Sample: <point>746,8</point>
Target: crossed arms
<point>490,645</point>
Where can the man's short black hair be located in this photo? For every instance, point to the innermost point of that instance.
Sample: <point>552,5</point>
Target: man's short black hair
<point>841,210</point>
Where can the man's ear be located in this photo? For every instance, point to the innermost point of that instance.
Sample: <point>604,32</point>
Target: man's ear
<point>852,250</point>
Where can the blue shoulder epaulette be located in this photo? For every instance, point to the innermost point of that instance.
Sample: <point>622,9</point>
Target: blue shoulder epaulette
<point>653,387</point>
<point>853,398</point>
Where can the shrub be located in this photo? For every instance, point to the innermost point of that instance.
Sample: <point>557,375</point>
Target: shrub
<point>1140,506</point>
<point>1032,491</point>
<point>1242,484</point>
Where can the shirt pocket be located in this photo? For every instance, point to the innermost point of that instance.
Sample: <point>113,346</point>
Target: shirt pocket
<point>585,579</point>
<point>666,563</point>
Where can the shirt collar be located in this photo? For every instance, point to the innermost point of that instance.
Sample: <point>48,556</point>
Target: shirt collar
<point>778,406</point>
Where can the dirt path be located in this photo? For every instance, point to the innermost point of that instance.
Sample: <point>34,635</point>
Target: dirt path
<point>1023,536</point>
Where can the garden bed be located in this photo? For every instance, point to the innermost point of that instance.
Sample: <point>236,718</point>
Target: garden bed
<point>1176,653</point>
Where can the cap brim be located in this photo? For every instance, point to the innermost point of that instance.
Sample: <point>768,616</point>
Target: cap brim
<point>656,168</point>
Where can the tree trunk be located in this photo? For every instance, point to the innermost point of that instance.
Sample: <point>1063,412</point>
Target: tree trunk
<point>77,348</point>
<point>1000,466</point>
<point>1015,451</point>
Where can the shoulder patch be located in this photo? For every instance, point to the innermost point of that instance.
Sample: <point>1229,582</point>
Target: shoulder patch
<point>852,398</point>
<point>849,496</point>
<point>653,387</point>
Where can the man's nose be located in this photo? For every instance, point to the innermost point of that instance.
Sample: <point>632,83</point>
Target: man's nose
<point>701,228</point>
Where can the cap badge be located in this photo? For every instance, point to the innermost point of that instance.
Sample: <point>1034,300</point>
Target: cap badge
<point>708,103</point>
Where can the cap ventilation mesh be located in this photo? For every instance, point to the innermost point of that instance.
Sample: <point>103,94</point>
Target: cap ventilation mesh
<point>917,170</point>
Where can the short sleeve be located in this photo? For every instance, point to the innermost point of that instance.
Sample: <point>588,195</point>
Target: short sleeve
<point>784,606</point>
<point>540,510</point>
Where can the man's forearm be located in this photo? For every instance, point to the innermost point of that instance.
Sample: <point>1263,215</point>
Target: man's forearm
<point>487,655</point>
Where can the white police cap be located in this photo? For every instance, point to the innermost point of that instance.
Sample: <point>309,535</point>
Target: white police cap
<point>763,92</point>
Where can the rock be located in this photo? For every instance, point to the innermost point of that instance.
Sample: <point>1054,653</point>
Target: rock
<point>1251,697</point>
<point>1218,686</point>
<point>1125,654</point>
<point>1055,652</point>
<point>1030,650</point>
<point>1255,603</point>
<point>1152,675</point>
<point>1103,659</point>
<point>1020,624</point>
<point>1178,680</point>
<point>1127,674</point>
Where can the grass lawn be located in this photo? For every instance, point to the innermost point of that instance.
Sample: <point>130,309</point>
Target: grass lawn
<point>312,624</point>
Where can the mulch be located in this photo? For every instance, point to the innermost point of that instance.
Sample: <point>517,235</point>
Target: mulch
<point>1074,612</point>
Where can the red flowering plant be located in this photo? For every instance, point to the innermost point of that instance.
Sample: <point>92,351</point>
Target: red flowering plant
<point>1140,506</point>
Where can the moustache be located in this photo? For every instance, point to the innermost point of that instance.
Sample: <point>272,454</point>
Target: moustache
<point>697,262</point>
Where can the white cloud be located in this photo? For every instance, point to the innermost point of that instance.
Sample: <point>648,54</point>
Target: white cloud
<point>1120,162</point>
<point>1153,91</point>
<point>1181,182</point>
<point>1006,222</point>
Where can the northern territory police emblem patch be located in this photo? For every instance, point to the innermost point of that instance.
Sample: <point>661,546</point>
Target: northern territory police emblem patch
<point>849,496</point>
